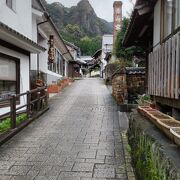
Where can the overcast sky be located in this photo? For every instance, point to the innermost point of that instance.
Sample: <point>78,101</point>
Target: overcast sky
<point>103,8</point>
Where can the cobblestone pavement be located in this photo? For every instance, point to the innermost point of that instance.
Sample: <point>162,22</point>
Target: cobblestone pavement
<point>78,138</point>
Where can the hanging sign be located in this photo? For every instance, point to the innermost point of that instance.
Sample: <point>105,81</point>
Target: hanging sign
<point>51,54</point>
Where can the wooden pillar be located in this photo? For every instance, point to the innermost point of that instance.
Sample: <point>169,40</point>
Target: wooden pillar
<point>13,111</point>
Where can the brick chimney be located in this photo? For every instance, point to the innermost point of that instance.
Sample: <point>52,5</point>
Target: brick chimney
<point>117,18</point>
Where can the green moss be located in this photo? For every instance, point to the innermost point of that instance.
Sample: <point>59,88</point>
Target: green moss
<point>128,147</point>
<point>6,124</point>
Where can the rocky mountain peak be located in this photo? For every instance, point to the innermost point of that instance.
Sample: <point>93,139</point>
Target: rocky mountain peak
<point>84,3</point>
<point>82,15</point>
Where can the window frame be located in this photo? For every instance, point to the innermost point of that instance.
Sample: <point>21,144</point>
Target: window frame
<point>174,27</point>
<point>17,62</point>
<point>12,5</point>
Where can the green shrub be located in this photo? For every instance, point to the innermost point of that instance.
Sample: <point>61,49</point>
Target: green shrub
<point>6,123</point>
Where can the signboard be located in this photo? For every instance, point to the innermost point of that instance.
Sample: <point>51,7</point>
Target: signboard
<point>51,53</point>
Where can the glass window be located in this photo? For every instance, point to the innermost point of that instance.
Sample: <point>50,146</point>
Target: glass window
<point>168,14</point>
<point>9,82</point>
<point>177,13</point>
<point>171,16</point>
<point>11,4</point>
<point>58,63</point>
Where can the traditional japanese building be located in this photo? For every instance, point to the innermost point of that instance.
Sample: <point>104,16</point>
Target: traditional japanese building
<point>155,26</point>
<point>16,47</point>
<point>51,65</point>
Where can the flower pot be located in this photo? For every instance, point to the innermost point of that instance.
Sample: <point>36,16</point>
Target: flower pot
<point>53,89</point>
<point>175,131</point>
<point>165,126</point>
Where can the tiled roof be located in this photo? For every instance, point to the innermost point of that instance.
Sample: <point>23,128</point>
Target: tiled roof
<point>130,70</point>
<point>135,70</point>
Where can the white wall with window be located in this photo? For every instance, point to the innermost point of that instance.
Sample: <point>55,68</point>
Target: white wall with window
<point>14,75</point>
<point>8,77</point>
<point>17,14</point>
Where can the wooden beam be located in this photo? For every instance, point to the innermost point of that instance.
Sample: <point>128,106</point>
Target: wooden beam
<point>173,73</point>
<point>177,79</point>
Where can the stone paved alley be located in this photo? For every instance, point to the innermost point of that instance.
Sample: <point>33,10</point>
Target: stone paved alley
<point>78,138</point>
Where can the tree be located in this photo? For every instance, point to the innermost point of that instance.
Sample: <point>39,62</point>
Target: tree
<point>119,50</point>
<point>89,45</point>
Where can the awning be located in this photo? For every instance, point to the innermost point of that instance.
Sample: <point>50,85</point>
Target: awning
<point>140,28</point>
<point>13,37</point>
<point>97,53</point>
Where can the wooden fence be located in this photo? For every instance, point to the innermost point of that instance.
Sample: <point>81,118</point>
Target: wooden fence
<point>36,100</point>
<point>164,69</point>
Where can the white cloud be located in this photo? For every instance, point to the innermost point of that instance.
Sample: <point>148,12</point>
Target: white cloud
<point>103,8</point>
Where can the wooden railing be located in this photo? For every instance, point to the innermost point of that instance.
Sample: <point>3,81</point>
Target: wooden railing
<point>36,100</point>
<point>164,69</point>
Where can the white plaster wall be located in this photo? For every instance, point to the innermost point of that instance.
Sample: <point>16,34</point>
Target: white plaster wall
<point>52,78</point>
<point>43,57</point>
<point>34,28</point>
<point>107,39</point>
<point>19,19</point>
<point>157,23</point>
<point>66,69</point>
<point>24,74</point>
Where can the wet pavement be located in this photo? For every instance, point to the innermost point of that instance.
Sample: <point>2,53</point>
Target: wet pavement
<point>78,138</point>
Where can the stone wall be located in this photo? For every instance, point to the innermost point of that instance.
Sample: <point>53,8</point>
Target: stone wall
<point>136,86</point>
<point>119,87</point>
<point>110,69</point>
<point>127,87</point>
<point>154,156</point>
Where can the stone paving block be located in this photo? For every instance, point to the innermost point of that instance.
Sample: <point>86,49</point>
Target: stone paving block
<point>4,177</point>
<point>91,141</point>
<point>83,167</point>
<point>104,173</point>
<point>105,152</point>
<point>45,178</point>
<point>87,154</point>
<point>93,178</point>
<point>22,177</point>
<point>19,170</point>
<point>55,160</point>
<point>96,161</point>
<point>74,174</point>
<point>45,170</point>
<point>70,159</point>
<point>4,157</point>
<point>38,158</point>
<point>101,157</point>
<point>4,172</point>
<point>69,178</point>
<point>121,176</point>
<point>6,164</point>
<point>23,157</point>
<point>33,173</point>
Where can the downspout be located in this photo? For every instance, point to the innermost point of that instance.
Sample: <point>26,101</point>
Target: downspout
<point>38,69</point>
